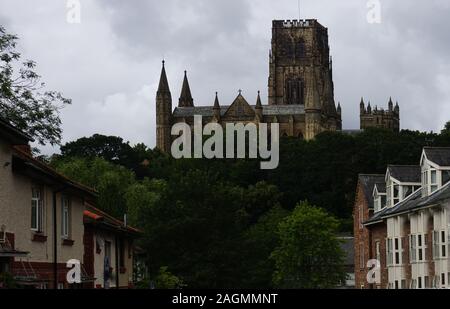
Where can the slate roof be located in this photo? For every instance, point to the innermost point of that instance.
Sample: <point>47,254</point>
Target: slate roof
<point>405,173</point>
<point>440,156</point>
<point>368,184</point>
<point>381,187</point>
<point>413,202</point>
<point>268,110</point>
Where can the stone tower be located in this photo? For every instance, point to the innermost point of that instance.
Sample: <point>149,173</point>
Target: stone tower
<point>301,73</point>
<point>163,113</point>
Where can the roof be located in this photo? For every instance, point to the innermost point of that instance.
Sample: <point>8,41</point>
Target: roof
<point>368,184</point>
<point>95,216</point>
<point>24,160</point>
<point>381,187</point>
<point>268,110</point>
<point>13,134</point>
<point>405,173</point>
<point>412,203</point>
<point>438,155</point>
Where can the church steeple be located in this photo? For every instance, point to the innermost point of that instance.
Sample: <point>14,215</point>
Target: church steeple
<point>186,99</point>
<point>163,83</point>
<point>163,112</point>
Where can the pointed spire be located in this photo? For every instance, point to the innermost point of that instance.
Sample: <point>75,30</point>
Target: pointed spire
<point>339,109</point>
<point>163,83</point>
<point>369,108</point>
<point>258,101</point>
<point>362,101</point>
<point>186,96</point>
<point>216,102</point>
<point>390,104</point>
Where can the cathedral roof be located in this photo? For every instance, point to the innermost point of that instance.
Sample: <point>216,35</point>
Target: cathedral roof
<point>268,110</point>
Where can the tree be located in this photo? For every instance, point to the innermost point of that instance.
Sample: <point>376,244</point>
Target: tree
<point>24,101</point>
<point>111,181</point>
<point>309,254</point>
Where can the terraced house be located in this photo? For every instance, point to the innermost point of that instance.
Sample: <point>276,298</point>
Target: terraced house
<point>47,219</point>
<point>401,219</point>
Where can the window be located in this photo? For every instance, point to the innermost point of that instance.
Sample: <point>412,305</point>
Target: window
<point>383,201</point>
<point>412,248</point>
<point>445,177</point>
<point>397,251</point>
<point>396,285</point>
<point>442,279</point>
<point>425,183</point>
<point>427,282</point>
<point>378,251</point>
<point>417,246</point>
<point>37,210</point>
<point>439,244</point>
<point>420,252</point>
<point>407,191</point>
<point>396,194</point>
<point>419,283</point>
<point>389,252</point>
<point>433,181</point>
<point>65,217</point>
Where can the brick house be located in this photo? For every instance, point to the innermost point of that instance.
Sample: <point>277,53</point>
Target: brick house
<point>401,220</point>
<point>42,221</point>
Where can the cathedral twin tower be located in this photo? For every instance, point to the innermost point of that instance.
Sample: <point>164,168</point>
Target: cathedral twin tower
<point>301,91</point>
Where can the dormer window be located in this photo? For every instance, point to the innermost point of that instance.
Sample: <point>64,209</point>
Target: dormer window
<point>433,180</point>
<point>445,177</point>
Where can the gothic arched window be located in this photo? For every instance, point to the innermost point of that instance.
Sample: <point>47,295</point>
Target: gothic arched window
<point>294,91</point>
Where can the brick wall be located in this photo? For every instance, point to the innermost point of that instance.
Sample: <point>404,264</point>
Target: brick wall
<point>361,238</point>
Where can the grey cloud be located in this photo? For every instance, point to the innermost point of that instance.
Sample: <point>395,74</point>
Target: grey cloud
<point>110,64</point>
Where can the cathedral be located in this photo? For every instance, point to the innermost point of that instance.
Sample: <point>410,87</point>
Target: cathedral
<point>300,87</point>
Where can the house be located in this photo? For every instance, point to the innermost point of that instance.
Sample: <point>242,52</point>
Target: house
<point>43,220</point>
<point>404,225</point>
<point>109,249</point>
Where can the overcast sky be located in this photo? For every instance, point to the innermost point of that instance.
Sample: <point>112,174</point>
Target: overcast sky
<point>110,63</point>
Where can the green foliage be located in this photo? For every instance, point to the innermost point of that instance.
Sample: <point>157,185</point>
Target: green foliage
<point>216,223</point>
<point>111,181</point>
<point>166,280</point>
<point>309,254</point>
<point>23,98</point>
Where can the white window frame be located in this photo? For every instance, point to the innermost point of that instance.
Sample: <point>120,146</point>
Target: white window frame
<point>389,252</point>
<point>440,244</point>
<point>37,205</point>
<point>65,217</point>
<point>434,186</point>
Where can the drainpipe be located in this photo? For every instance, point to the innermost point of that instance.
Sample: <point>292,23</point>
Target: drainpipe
<point>55,240</point>
<point>117,262</point>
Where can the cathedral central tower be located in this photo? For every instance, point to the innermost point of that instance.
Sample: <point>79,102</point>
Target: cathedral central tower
<point>301,73</point>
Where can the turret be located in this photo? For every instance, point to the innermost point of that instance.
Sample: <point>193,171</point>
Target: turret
<point>397,108</point>
<point>390,105</point>
<point>216,108</point>
<point>186,99</point>
<point>362,107</point>
<point>163,112</point>
<point>339,109</point>
<point>369,108</point>
<point>259,108</point>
